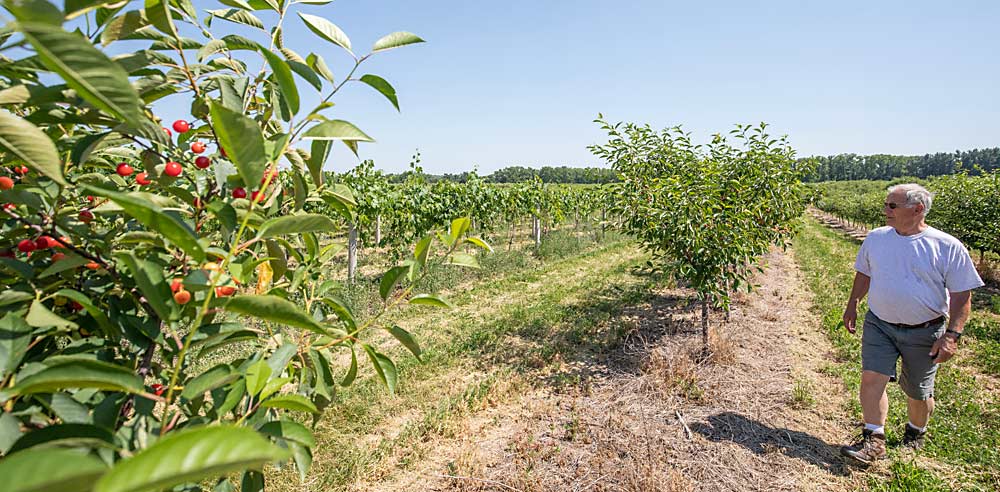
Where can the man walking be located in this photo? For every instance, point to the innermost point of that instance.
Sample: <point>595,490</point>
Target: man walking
<point>914,276</point>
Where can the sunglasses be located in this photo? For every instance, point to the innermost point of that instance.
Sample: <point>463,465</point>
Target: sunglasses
<point>892,205</point>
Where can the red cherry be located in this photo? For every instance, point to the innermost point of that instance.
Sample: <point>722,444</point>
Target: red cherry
<point>202,162</point>
<point>274,176</point>
<point>92,265</point>
<point>26,246</point>
<point>181,126</point>
<point>197,147</point>
<point>90,198</point>
<point>9,206</point>
<point>76,306</point>
<point>239,193</point>
<point>167,131</point>
<point>225,291</point>
<point>223,152</point>
<point>182,297</point>
<point>6,183</point>
<point>142,179</point>
<point>158,389</point>
<point>86,216</point>
<point>253,195</point>
<point>176,285</point>
<point>21,170</point>
<point>124,169</point>
<point>172,169</point>
<point>45,242</point>
<point>57,256</point>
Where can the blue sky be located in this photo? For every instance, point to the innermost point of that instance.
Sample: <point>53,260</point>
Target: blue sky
<point>519,82</point>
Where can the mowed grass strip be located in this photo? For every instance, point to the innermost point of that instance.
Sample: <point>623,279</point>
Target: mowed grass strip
<point>502,334</point>
<point>964,441</point>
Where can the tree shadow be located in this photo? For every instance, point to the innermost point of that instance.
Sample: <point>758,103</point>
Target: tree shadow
<point>763,439</point>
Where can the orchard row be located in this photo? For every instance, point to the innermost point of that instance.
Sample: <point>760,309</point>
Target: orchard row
<point>963,206</point>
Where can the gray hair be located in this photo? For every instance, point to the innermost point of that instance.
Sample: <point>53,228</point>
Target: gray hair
<point>915,194</point>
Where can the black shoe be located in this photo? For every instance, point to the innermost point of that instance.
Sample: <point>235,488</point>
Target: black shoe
<point>913,438</point>
<point>867,448</point>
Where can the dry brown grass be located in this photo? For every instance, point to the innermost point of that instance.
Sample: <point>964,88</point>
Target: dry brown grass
<point>662,413</point>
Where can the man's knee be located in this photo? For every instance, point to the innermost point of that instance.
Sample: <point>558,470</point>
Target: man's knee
<point>871,380</point>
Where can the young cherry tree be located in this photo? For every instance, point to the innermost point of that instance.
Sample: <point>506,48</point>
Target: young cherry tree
<point>133,248</point>
<point>706,213</point>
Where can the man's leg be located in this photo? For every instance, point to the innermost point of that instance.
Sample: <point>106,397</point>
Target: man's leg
<point>874,401</point>
<point>920,411</point>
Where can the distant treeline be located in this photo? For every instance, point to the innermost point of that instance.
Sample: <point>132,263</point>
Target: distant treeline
<point>519,174</point>
<point>844,167</point>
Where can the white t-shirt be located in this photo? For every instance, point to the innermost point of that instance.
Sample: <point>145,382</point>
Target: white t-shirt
<point>912,275</point>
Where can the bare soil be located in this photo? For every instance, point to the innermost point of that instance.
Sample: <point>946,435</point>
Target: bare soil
<point>755,412</point>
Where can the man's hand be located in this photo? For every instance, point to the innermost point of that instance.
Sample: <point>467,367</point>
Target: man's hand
<point>851,317</point>
<point>944,348</point>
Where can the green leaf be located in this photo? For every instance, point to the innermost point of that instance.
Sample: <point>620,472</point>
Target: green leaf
<point>342,311</point>
<point>10,431</point>
<point>257,376</point>
<point>306,73</point>
<point>380,84</point>
<point>30,145</point>
<point>290,431</point>
<point>319,151</point>
<point>123,26</point>
<point>212,47</point>
<point>98,314</point>
<point>463,259</point>
<point>430,300</point>
<point>93,75</point>
<point>273,386</point>
<point>406,339</point>
<point>297,403</point>
<point>19,267</point>
<point>15,336</point>
<point>155,218</point>
<point>35,11</point>
<point>44,470</point>
<point>327,30</point>
<point>238,16</point>
<point>191,455</point>
<point>389,281</point>
<point>149,278</point>
<point>458,228</point>
<point>283,75</point>
<point>384,368</point>
<point>395,40</point>
<point>158,13</point>
<point>336,130</point>
<point>64,435</point>
<point>352,372</point>
<point>480,243</point>
<point>243,141</point>
<point>275,309</point>
<point>216,377</point>
<point>79,373</point>
<point>319,65</point>
<point>296,224</point>
<point>40,316</point>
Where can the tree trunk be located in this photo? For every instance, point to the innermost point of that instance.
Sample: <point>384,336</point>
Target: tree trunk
<point>536,230</point>
<point>352,253</point>
<point>378,230</point>
<point>704,321</point>
<point>604,219</point>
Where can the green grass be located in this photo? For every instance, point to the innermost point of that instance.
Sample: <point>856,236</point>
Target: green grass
<point>965,428</point>
<point>562,308</point>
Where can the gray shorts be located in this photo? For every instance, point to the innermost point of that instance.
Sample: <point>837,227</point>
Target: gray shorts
<point>882,344</point>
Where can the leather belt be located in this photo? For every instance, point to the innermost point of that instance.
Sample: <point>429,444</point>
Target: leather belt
<point>925,324</point>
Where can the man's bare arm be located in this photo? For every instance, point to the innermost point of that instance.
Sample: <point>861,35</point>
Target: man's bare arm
<point>959,308</point>
<point>858,291</point>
